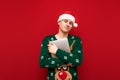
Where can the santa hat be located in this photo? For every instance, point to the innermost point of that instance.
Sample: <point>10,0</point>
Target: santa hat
<point>68,16</point>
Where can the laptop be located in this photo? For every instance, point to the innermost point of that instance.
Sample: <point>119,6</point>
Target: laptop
<point>61,44</point>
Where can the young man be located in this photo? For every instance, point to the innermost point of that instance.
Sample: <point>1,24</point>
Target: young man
<point>64,66</point>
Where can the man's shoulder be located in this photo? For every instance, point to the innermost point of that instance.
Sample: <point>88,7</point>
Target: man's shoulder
<point>48,37</point>
<point>74,36</point>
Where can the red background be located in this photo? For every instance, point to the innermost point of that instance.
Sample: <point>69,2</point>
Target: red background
<point>24,23</point>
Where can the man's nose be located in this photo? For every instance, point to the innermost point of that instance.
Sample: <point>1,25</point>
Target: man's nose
<point>68,23</point>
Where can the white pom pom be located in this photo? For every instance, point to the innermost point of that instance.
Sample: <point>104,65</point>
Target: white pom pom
<point>75,25</point>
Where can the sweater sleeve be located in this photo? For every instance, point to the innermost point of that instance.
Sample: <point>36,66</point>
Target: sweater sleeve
<point>45,58</point>
<point>75,57</point>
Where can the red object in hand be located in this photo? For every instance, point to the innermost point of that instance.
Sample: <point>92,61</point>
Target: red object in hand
<point>62,75</point>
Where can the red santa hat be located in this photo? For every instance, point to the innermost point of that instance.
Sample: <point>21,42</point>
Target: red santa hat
<point>68,15</point>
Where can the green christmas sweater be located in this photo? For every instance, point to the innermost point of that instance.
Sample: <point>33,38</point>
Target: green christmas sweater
<point>63,57</point>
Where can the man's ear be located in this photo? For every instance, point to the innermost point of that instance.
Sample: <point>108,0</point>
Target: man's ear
<point>58,23</point>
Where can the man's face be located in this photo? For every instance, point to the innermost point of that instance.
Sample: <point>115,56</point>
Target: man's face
<point>65,25</point>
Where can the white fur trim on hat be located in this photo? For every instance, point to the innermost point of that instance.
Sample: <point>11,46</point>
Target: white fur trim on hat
<point>68,16</point>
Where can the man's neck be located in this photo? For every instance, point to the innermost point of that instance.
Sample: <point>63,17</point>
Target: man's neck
<point>61,35</point>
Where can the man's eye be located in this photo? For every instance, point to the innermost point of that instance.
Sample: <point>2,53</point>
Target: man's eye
<point>71,23</point>
<point>65,21</point>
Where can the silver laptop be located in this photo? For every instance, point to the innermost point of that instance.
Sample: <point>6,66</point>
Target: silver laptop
<point>62,44</point>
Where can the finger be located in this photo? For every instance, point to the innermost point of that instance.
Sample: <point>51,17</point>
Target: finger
<point>49,45</point>
<point>53,44</point>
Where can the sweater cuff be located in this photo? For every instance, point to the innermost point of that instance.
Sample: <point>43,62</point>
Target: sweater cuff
<point>59,52</point>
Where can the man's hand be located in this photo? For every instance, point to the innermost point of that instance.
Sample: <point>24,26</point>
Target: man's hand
<point>52,48</point>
